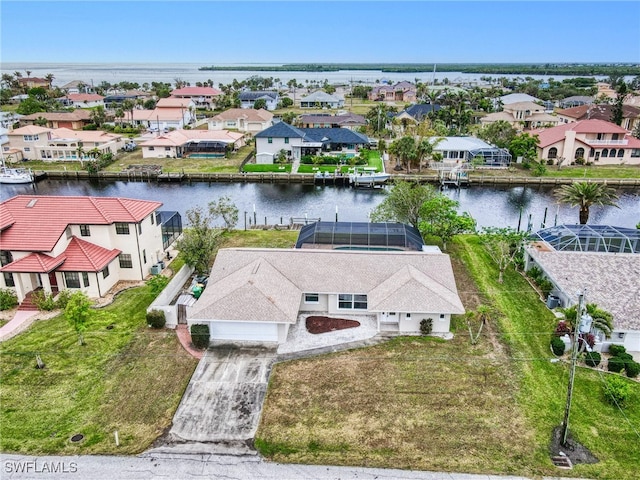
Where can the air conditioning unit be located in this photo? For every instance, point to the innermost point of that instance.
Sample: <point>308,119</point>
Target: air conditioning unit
<point>155,269</point>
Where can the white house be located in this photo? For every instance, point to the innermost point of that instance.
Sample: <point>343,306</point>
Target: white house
<point>321,99</point>
<point>249,98</point>
<point>169,113</point>
<point>457,151</point>
<point>83,100</point>
<point>257,294</point>
<point>77,243</point>
<point>306,141</point>
<point>192,143</point>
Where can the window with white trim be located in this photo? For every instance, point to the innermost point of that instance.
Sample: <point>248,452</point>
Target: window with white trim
<point>72,279</point>
<point>350,301</point>
<point>311,298</point>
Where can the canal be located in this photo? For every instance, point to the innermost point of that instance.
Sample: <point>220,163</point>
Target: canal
<point>490,206</point>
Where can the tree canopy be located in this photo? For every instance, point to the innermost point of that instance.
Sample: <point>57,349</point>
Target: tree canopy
<point>586,194</point>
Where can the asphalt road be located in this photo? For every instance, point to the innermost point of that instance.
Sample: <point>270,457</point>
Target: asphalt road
<point>176,467</point>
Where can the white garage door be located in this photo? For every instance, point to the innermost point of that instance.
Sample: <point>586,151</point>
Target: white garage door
<point>249,331</point>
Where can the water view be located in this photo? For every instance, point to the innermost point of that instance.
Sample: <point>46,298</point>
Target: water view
<point>489,206</point>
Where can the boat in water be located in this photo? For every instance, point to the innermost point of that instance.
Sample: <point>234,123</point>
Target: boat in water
<point>15,175</point>
<point>368,177</point>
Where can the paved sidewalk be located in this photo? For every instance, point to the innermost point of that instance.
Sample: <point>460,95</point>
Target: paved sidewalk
<point>182,331</point>
<point>19,323</point>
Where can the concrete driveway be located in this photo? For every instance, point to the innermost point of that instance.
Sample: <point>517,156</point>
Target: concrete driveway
<point>220,409</point>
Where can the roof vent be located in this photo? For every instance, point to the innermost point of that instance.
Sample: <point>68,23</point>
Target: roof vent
<point>32,203</point>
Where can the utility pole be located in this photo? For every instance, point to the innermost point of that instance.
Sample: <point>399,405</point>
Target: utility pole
<point>574,357</point>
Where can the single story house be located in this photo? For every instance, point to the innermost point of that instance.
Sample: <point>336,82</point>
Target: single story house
<point>249,98</point>
<point>457,151</point>
<point>630,114</point>
<point>257,294</point>
<point>89,244</point>
<point>341,120</point>
<point>192,143</point>
<point>247,120</point>
<point>62,144</point>
<point>73,120</point>
<point>610,280</point>
<point>306,141</point>
<point>575,101</point>
<point>597,141</point>
<point>321,99</point>
<point>83,100</point>
<point>202,97</point>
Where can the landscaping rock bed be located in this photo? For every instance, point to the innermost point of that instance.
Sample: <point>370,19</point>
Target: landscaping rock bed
<point>319,324</point>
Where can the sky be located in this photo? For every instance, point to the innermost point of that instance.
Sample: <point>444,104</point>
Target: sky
<point>244,32</point>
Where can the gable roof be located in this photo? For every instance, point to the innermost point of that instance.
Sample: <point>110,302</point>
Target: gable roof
<point>252,96</point>
<point>321,97</point>
<point>249,114</point>
<point>333,135</point>
<point>77,115</point>
<point>34,263</point>
<point>30,130</point>
<point>83,256</point>
<point>598,112</point>
<point>173,102</point>
<point>420,110</point>
<point>36,213</point>
<point>276,278</point>
<point>280,130</point>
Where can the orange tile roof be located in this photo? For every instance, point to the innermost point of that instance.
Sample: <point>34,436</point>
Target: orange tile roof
<point>83,256</point>
<point>49,216</point>
<point>34,263</point>
<point>552,135</point>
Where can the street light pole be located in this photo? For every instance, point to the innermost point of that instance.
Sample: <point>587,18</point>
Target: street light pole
<point>574,357</point>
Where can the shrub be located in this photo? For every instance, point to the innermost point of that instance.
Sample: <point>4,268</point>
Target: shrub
<point>617,391</point>
<point>63,299</point>
<point>157,283</point>
<point>426,326</point>
<point>632,369</point>
<point>625,357</point>
<point>562,329</point>
<point>546,286</point>
<point>558,346</point>
<point>200,335</point>
<point>156,319</point>
<point>534,273</point>
<point>592,359</point>
<point>8,299</point>
<point>615,364</point>
<point>615,350</point>
<point>43,301</point>
<point>579,161</point>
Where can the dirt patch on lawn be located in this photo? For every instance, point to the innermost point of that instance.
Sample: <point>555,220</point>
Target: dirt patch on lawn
<point>318,324</point>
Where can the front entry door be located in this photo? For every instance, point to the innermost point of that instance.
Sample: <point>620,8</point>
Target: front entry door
<point>53,281</point>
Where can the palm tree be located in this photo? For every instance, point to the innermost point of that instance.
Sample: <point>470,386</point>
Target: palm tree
<point>586,194</point>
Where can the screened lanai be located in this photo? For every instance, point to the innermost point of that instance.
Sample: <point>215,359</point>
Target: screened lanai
<point>590,238</point>
<point>360,236</point>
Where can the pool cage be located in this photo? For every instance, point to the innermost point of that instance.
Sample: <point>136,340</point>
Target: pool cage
<point>493,157</point>
<point>590,238</point>
<point>171,223</point>
<point>360,236</point>
<point>205,146</point>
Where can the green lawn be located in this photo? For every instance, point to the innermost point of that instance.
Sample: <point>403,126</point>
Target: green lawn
<point>612,171</point>
<point>253,167</point>
<point>128,378</point>
<point>449,406</point>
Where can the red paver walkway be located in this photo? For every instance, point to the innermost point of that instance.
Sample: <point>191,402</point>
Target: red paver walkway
<point>185,339</point>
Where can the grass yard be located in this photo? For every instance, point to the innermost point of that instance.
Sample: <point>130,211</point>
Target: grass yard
<point>264,167</point>
<point>608,171</point>
<point>422,403</point>
<point>128,378</point>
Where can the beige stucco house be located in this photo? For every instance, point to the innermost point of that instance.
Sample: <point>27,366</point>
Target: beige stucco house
<point>192,143</point>
<point>522,115</point>
<point>597,141</point>
<point>247,120</point>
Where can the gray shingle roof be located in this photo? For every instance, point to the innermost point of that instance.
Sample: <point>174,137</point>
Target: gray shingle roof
<point>281,130</point>
<point>253,96</point>
<point>267,284</point>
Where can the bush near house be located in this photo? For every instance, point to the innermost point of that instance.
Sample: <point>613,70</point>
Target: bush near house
<point>200,335</point>
<point>156,319</point>
<point>8,299</point>
<point>617,391</point>
<point>615,364</point>
<point>592,359</point>
<point>426,326</point>
<point>632,369</point>
<point>558,346</point>
<point>615,350</point>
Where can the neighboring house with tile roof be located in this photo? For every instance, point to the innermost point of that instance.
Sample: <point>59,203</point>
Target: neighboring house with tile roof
<point>169,113</point>
<point>203,97</point>
<point>77,243</point>
<point>610,280</point>
<point>306,141</point>
<point>400,92</point>
<point>257,294</point>
<point>603,143</point>
<point>342,120</point>
<point>321,99</point>
<point>83,100</point>
<point>247,120</point>
<point>33,82</point>
<point>521,115</point>
<point>73,120</point>
<point>62,144</point>
<point>630,114</point>
<point>186,143</point>
<point>248,98</point>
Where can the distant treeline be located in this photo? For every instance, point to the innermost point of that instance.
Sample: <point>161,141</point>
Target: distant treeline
<point>483,68</point>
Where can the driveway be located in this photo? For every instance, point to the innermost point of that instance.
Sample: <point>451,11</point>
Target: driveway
<point>221,406</point>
